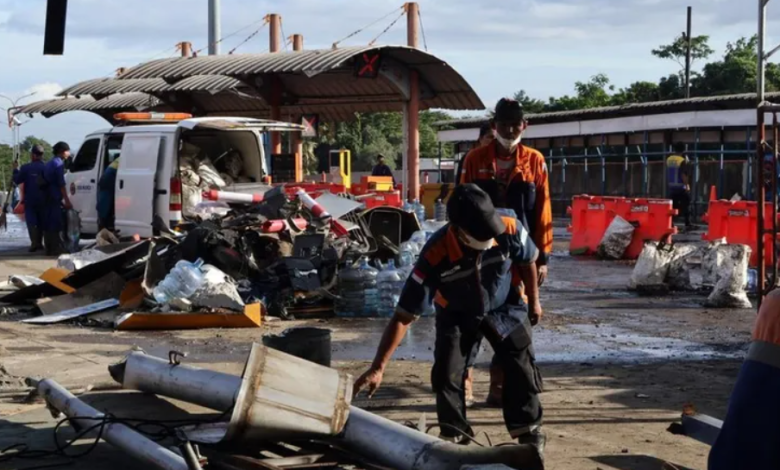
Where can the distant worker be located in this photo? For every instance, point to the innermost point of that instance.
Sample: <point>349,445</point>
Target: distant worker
<point>515,177</point>
<point>750,433</point>
<point>381,168</point>
<point>468,265</point>
<point>106,195</point>
<point>678,182</point>
<point>57,199</point>
<point>485,137</point>
<point>31,176</point>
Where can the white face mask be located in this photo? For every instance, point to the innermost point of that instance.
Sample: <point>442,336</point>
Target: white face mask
<point>472,242</point>
<point>510,145</point>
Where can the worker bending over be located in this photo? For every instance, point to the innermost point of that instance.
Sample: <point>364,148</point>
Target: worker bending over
<point>467,264</point>
<point>515,177</point>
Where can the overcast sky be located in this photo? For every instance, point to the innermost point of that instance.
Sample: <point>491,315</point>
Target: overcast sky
<point>498,46</point>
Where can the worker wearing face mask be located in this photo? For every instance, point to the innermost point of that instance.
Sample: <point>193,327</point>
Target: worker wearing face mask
<point>468,265</point>
<point>515,177</point>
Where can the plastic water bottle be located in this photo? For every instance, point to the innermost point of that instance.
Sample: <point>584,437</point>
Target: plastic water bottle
<point>407,207</point>
<point>183,280</point>
<point>358,294</point>
<point>389,283</point>
<point>440,211</point>
<point>419,210</point>
<point>752,281</point>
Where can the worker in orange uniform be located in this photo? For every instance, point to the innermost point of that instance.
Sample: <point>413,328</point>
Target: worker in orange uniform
<point>515,177</point>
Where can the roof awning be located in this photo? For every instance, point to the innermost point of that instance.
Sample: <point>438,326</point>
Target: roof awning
<point>327,82</point>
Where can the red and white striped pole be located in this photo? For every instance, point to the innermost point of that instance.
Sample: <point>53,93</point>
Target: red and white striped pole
<point>279,225</point>
<point>312,205</point>
<point>236,198</point>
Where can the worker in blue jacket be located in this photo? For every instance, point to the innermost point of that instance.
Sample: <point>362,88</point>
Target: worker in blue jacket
<point>56,199</point>
<point>106,196</point>
<point>31,175</point>
<point>750,436</point>
<point>468,265</point>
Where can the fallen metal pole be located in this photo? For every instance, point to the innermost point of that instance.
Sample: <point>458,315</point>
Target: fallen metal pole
<point>115,434</point>
<point>373,437</point>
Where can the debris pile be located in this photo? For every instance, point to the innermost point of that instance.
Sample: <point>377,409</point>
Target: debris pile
<point>718,268</point>
<point>285,252</point>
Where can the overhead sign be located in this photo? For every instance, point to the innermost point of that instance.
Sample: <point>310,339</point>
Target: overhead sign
<point>311,122</point>
<point>367,65</point>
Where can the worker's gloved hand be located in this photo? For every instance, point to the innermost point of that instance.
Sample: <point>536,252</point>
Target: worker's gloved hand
<point>370,380</point>
<point>542,272</point>
<point>535,313</point>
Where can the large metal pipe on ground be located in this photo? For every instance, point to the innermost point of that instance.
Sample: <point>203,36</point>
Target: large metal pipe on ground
<point>115,434</point>
<point>377,439</point>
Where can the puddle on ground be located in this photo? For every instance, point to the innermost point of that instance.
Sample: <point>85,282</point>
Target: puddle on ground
<point>570,344</point>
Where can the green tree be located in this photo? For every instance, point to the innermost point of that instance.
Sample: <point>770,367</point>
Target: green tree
<point>637,92</point>
<point>677,50</point>
<point>530,105</point>
<point>736,72</point>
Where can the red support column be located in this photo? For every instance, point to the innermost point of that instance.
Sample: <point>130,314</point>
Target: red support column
<point>413,110</point>
<point>274,28</point>
<point>297,139</point>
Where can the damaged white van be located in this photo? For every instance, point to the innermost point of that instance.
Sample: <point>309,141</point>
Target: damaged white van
<point>165,162</point>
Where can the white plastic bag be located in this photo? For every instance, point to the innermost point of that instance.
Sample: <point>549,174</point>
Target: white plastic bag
<point>209,175</point>
<point>218,291</point>
<point>206,209</point>
<point>652,267</point>
<point>191,197</point>
<point>616,239</point>
<point>731,272</point>
<point>685,267</point>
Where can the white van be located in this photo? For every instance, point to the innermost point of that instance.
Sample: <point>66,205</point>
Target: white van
<point>149,167</point>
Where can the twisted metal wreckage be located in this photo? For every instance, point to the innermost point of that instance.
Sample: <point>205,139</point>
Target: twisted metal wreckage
<point>268,405</point>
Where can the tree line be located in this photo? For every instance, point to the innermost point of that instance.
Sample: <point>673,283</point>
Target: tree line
<point>7,152</point>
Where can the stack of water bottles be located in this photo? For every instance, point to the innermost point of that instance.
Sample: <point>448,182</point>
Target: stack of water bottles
<point>184,279</point>
<point>390,282</point>
<point>358,294</point>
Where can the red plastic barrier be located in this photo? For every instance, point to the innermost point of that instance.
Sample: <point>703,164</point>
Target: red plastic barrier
<point>590,217</point>
<point>392,199</point>
<point>737,222</point>
<point>653,219</point>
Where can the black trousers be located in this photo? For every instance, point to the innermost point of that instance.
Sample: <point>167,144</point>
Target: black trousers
<point>455,344</point>
<point>681,200</point>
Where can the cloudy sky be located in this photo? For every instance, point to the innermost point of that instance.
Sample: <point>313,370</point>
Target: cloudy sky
<point>542,46</point>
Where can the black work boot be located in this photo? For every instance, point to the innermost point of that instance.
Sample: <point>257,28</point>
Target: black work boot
<point>36,239</point>
<point>51,240</point>
<point>536,438</point>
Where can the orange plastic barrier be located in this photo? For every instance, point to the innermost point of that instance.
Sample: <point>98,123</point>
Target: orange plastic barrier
<point>591,216</point>
<point>392,199</point>
<point>737,222</point>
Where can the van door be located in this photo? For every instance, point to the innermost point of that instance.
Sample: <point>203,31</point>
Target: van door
<point>81,182</point>
<point>135,183</point>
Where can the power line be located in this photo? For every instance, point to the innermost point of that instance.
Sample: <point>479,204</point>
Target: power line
<point>247,39</point>
<point>230,35</point>
<point>335,44</point>
<point>422,28</point>
<point>387,29</point>
<point>281,25</point>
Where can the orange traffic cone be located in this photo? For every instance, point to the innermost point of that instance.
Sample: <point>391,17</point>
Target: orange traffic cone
<point>713,193</point>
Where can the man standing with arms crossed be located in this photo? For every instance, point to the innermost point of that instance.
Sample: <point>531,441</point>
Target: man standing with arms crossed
<point>515,177</point>
<point>468,265</point>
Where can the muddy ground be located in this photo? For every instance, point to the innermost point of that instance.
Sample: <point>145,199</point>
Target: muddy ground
<point>618,368</point>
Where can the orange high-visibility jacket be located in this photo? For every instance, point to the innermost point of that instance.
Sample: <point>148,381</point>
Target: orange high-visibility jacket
<point>528,191</point>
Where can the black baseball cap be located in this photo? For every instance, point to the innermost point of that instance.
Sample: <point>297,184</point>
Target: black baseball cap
<point>508,110</point>
<point>60,147</point>
<point>37,150</point>
<point>471,209</point>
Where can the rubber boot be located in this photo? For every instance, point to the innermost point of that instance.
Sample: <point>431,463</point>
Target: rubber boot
<point>51,240</point>
<point>495,395</point>
<point>536,438</point>
<point>35,239</point>
<point>36,242</point>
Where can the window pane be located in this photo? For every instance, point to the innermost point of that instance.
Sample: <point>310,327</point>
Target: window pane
<point>87,156</point>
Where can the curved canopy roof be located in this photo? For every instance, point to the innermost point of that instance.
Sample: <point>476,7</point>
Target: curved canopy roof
<point>325,82</point>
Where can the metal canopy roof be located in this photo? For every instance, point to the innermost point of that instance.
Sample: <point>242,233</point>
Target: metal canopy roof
<point>706,103</point>
<point>314,81</point>
<point>104,107</point>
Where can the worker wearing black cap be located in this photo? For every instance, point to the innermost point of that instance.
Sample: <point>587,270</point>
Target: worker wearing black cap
<point>56,198</point>
<point>382,169</point>
<point>31,176</point>
<point>515,177</point>
<point>468,266</point>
